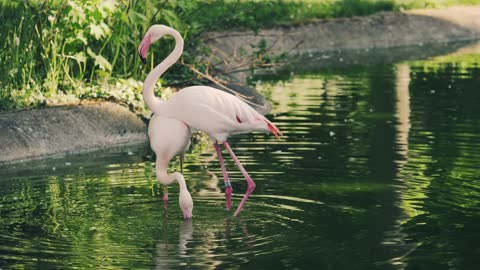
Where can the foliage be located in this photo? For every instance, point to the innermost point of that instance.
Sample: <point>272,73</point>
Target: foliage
<point>62,48</point>
<point>52,49</point>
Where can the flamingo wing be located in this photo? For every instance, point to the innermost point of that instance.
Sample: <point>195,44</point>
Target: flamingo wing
<point>216,112</point>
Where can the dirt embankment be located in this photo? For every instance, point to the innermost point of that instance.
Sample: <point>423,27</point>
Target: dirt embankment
<point>383,30</point>
<point>65,129</point>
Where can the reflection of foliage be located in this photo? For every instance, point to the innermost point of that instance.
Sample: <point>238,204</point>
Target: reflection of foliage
<point>90,214</point>
<point>439,182</point>
<point>462,62</point>
<point>441,175</point>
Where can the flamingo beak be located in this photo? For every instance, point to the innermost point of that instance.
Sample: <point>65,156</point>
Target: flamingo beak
<point>143,49</point>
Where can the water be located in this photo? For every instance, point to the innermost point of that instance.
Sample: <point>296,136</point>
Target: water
<point>377,169</point>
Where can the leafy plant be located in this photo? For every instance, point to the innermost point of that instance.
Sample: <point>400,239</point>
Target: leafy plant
<point>51,49</point>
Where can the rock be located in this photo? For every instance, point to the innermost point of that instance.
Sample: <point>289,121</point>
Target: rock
<point>59,130</point>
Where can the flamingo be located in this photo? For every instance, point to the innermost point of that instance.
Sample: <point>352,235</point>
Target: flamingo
<point>215,112</point>
<point>169,138</point>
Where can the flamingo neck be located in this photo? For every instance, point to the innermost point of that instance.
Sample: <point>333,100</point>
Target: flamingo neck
<point>154,103</point>
<point>167,179</point>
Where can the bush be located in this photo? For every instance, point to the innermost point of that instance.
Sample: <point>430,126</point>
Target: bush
<point>57,48</point>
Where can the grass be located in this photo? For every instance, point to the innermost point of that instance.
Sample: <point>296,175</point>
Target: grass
<point>57,51</point>
<point>255,14</point>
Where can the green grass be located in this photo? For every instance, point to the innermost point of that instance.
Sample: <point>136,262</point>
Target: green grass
<point>255,14</point>
<point>52,51</point>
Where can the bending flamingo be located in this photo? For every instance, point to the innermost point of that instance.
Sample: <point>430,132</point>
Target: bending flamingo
<point>217,113</point>
<point>169,138</point>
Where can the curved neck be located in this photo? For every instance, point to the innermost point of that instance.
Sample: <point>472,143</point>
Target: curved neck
<point>153,102</point>
<point>167,179</point>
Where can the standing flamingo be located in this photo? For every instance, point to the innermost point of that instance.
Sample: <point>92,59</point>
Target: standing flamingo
<point>169,138</point>
<point>217,113</point>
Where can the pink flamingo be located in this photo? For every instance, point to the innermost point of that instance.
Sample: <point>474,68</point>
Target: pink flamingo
<point>169,138</point>
<point>215,112</point>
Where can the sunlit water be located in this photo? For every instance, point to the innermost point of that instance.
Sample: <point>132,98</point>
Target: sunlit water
<point>378,168</point>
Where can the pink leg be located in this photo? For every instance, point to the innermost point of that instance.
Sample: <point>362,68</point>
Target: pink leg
<point>250,183</point>
<point>228,186</point>
<point>181,164</point>
<point>165,197</point>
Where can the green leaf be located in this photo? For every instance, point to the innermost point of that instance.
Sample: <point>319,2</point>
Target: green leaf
<point>81,36</point>
<point>103,63</point>
<point>80,57</point>
<point>91,53</point>
<point>105,28</point>
<point>77,13</point>
<point>109,5</point>
<point>96,31</point>
<point>172,19</point>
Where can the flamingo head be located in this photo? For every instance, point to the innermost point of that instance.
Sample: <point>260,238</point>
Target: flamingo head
<point>186,203</point>
<point>154,33</point>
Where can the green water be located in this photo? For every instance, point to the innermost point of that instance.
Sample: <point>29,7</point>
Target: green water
<point>377,169</point>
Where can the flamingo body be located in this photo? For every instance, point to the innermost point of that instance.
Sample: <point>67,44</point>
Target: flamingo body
<point>168,137</point>
<point>217,113</point>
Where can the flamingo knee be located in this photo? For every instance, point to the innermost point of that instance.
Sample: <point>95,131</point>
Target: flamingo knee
<point>228,185</point>
<point>250,184</point>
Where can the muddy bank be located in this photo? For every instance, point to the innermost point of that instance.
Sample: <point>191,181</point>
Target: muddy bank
<point>66,129</point>
<point>379,31</point>
<point>362,57</point>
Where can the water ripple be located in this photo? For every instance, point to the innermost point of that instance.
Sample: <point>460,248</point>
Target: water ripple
<point>378,166</point>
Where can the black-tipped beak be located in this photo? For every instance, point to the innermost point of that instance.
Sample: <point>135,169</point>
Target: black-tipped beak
<point>144,60</point>
<point>143,48</point>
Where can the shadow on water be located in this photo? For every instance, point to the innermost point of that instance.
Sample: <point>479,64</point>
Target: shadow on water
<point>377,169</point>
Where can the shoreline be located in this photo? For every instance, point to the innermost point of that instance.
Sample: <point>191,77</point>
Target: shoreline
<point>61,130</point>
<point>378,31</point>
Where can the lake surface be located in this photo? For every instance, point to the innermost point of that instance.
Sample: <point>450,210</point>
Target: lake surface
<point>378,168</point>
